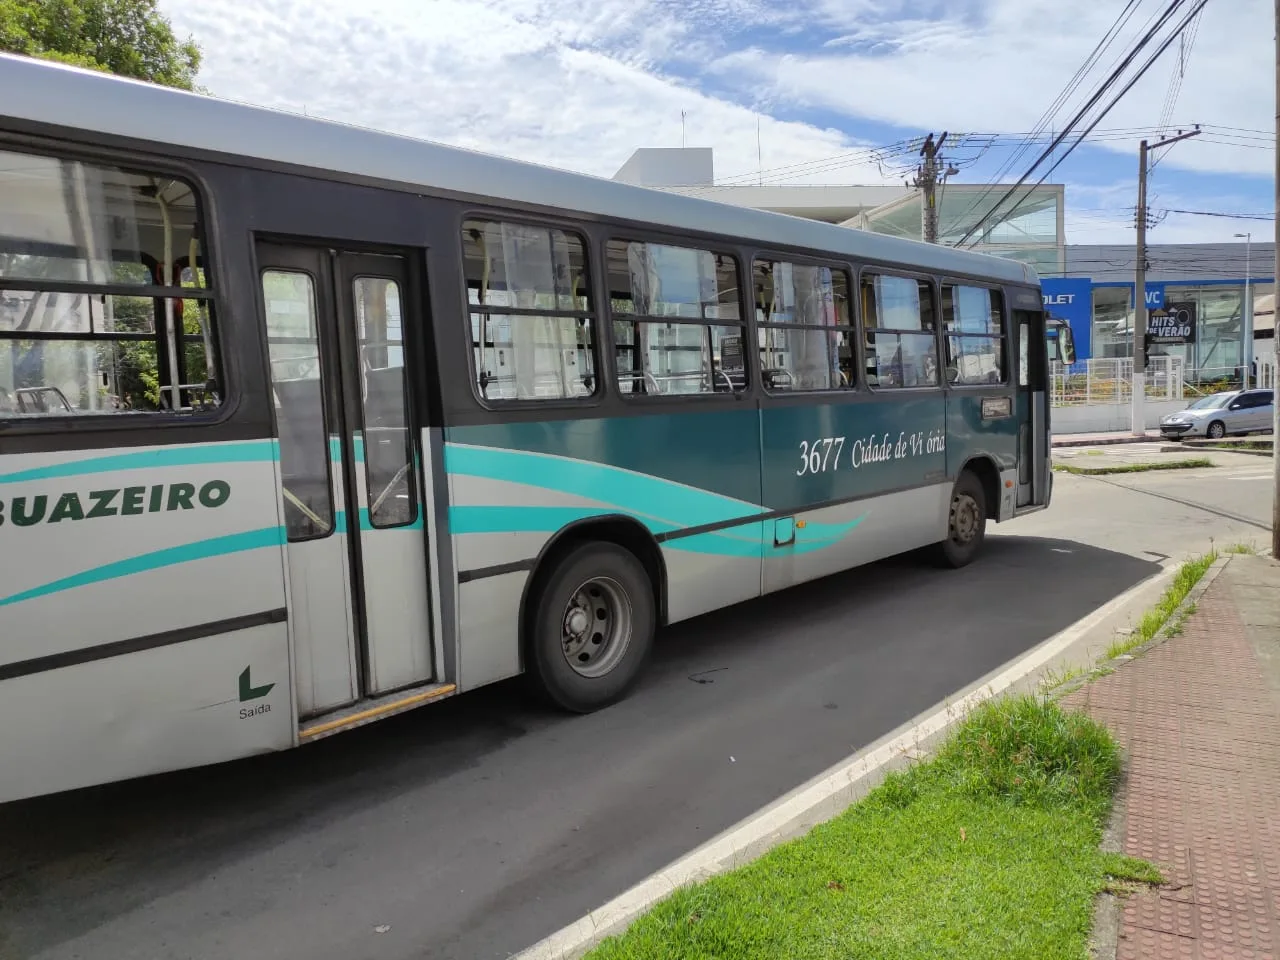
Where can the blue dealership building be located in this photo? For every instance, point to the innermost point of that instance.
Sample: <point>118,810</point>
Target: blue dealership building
<point>1196,300</point>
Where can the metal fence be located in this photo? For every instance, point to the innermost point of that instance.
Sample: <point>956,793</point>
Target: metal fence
<point>1110,380</point>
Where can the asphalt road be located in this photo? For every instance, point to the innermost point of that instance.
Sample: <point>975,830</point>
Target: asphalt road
<point>475,827</point>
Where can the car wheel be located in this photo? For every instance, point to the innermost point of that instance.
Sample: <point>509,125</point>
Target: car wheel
<point>1217,430</point>
<point>592,628</point>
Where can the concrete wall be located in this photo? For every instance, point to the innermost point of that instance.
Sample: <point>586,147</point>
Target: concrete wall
<point>1109,417</point>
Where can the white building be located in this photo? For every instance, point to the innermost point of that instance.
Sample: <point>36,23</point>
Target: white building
<point>1034,234</point>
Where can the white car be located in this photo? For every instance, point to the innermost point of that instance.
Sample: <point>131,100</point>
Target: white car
<point>1220,414</point>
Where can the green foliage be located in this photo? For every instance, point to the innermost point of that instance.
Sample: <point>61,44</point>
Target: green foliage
<point>1028,750</point>
<point>1192,463</point>
<point>1121,867</point>
<point>1157,617</point>
<point>935,862</point>
<point>126,37</point>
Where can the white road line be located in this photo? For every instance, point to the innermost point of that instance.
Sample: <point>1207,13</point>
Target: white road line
<point>821,798</point>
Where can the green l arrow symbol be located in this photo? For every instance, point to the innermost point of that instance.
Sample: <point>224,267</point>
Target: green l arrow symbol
<point>248,691</point>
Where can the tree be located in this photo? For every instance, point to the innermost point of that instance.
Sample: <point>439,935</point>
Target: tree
<point>126,37</point>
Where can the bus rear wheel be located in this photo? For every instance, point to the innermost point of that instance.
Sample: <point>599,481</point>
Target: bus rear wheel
<point>966,523</point>
<point>592,628</point>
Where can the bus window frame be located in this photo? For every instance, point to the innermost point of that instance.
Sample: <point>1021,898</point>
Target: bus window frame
<point>859,386</point>
<point>318,291</point>
<point>1006,333</point>
<point>523,218</point>
<point>142,162</point>
<point>717,246</point>
<point>935,293</point>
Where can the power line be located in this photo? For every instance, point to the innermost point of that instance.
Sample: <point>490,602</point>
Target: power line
<point>1116,99</point>
<point>1075,120</point>
<point>1229,216</point>
<point>1058,102</point>
<point>1187,43</point>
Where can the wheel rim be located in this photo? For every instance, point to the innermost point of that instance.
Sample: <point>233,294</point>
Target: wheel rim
<point>596,627</point>
<point>1216,431</point>
<point>966,518</point>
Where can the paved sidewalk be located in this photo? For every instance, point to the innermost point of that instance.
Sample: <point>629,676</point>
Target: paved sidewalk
<point>1101,439</point>
<point>1199,720</point>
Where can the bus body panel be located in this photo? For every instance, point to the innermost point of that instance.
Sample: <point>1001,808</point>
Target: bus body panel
<point>187,704</point>
<point>516,485</point>
<point>846,535</point>
<point>824,462</point>
<point>489,618</point>
<point>101,547</point>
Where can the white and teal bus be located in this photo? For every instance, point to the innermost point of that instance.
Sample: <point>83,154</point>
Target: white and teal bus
<point>303,425</point>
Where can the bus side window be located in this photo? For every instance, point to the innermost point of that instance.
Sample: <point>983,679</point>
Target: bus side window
<point>677,325</point>
<point>531,316</point>
<point>92,320</point>
<point>805,327</point>
<point>898,320</point>
<point>973,322</point>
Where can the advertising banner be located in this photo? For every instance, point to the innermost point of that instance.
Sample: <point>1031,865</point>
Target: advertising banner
<point>1174,322</point>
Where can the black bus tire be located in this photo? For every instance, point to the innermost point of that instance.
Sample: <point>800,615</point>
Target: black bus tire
<point>592,628</point>
<point>966,523</point>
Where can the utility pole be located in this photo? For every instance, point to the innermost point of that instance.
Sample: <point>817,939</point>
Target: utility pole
<point>1140,284</point>
<point>927,178</point>
<point>1275,377</point>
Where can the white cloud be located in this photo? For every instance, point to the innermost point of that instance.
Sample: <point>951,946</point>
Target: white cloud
<point>1001,70</point>
<point>581,85</point>
<point>1104,213</point>
<point>548,82</point>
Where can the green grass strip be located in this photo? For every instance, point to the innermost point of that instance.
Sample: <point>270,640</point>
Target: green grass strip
<point>989,850</point>
<point>1155,619</point>
<point>1189,464</point>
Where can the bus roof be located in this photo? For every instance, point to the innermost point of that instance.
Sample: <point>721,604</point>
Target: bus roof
<point>42,92</point>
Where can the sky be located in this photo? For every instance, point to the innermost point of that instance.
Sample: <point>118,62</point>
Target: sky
<point>795,92</point>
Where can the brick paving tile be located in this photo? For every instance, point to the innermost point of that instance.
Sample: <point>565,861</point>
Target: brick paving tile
<point>1200,729</point>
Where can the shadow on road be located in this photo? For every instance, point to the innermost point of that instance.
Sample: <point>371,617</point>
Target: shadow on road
<point>535,816</point>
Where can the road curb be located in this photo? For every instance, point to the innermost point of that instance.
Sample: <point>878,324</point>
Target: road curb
<point>823,797</point>
<point>1105,442</point>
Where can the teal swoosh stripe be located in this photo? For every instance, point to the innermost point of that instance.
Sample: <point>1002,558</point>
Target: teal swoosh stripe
<point>635,493</point>
<point>200,550</point>
<point>251,451</point>
<point>532,519</point>
<point>746,540</point>
<point>340,523</point>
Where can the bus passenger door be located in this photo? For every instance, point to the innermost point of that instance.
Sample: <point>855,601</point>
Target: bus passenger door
<point>1032,407</point>
<point>350,470</point>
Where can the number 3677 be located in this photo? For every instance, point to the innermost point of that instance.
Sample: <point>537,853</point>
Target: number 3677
<point>820,456</point>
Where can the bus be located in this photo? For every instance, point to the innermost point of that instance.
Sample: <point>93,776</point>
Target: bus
<point>303,425</point>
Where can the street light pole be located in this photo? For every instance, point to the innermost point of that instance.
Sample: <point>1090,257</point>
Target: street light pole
<point>1246,310</point>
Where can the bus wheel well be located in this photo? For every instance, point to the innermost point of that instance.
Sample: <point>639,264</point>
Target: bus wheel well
<point>989,477</point>
<point>622,531</point>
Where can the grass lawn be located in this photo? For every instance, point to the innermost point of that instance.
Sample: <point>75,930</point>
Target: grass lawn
<point>1156,619</point>
<point>988,850</point>
<point>1187,464</point>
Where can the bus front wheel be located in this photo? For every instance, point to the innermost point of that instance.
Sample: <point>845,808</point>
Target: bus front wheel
<point>592,628</point>
<point>966,522</point>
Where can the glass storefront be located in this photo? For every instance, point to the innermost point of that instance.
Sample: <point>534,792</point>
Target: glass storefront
<point>1113,321</point>
<point>1219,311</point>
